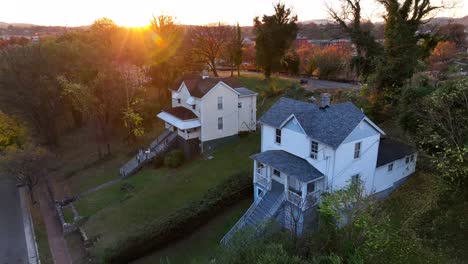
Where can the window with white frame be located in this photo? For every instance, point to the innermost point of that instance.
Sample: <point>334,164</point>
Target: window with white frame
<point>239,105</point>
<point>407,160</point>
<point>220,123</point>
<point>220,103</point>
<point>311,187</point>
<point>357,150</point>
<point>277,173</point>
<point>355,179</point>
<point>259,167</point>
<point>278,136</point>
<point>178,101</point>
<point>194,107</point>
<point>390,166</point>
<point>314,149</point>
<point>412,158</point>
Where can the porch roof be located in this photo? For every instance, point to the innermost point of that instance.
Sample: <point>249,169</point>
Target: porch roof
<point>184,121</point>
<point>290,164</point>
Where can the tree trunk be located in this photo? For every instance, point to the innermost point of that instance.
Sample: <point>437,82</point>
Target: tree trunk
<point>238,71</point>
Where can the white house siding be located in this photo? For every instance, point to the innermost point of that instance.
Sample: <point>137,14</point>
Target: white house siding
<point>385,179</point>
<point>247,114</point>
<point>299,144</point>
<point>210,113</point>
<point>184,96</point>
<point>346,165</point>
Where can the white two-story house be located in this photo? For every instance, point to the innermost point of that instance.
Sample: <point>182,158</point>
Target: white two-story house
<point>308,149</point>
<point>207,110</point>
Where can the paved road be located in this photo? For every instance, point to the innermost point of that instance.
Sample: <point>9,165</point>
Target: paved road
<point>13,249</point>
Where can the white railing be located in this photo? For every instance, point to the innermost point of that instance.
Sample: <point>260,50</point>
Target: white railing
<point>263,181</point>
<point>294,198</point>
<point>163,142</point>
<point>311,199</point>
<point>241,222</point>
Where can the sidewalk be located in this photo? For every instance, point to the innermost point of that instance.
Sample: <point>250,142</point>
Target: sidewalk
<point>33,254</point>
<point>58,246</point>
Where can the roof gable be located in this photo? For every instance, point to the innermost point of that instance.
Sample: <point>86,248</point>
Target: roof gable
<point>362,130</point>
<point>198,86</point>
<point>330,125</point>
<point>293,124</point>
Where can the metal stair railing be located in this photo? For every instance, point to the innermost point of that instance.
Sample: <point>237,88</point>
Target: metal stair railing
<point>241,222</point>
<point>156,147</point>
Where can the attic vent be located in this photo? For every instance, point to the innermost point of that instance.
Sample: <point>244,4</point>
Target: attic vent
<point>324,100</point>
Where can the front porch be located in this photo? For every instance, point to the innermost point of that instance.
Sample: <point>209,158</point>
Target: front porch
<point>183,121</point>
<point>301,183</point>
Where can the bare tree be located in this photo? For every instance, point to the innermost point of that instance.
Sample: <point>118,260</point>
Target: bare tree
<point>27,166</point>
<point>209,43</point>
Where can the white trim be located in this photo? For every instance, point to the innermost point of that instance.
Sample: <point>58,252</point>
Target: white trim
<point>373,125</point>
<point>181,124</point>
<point>297,120</point>
<point>214,87</point>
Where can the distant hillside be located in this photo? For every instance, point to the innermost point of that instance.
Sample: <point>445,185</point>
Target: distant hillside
<point>446,20</point>
<point>22,25</point>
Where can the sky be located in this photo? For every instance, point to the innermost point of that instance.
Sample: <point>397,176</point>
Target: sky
<point>139,12</point>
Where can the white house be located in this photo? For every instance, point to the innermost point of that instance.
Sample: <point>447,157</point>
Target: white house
<point>208,110</point>
<point>308,149</point>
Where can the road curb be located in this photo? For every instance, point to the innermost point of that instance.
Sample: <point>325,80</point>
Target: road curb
<point>31,244</point>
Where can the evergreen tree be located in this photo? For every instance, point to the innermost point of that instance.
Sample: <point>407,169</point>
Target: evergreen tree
<point>274,36</point>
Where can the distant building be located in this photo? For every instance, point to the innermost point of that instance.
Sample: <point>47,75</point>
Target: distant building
<point>205,110</point>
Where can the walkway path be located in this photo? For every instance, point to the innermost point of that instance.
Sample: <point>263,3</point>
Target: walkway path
<point>58,246</point>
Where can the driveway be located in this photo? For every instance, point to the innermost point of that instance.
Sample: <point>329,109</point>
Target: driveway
<point>13,248</point>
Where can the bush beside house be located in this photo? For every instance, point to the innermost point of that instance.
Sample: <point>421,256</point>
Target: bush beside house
<point>182,222</point>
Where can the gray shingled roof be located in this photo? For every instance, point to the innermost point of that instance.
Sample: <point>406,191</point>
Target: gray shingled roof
<point>244,91</point>
<point>330,125</point>
<point>288,163</point>
<point>391,150</point>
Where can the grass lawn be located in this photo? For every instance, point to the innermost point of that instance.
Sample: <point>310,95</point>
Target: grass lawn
<point>113,212</point>
<point>41,235</point>
<point>68,214</point>
<point>202,245</point>
<point>78,168</point>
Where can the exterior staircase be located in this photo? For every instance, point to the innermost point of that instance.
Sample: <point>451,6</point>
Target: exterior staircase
<point>262,209</point>
<point>158,146</point>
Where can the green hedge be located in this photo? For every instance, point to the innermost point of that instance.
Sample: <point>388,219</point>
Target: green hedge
<point>180,223</point>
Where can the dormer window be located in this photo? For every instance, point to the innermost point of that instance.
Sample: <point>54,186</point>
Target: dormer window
<point>314,149</point>
<point>357,150</point>
<point>278,136</point>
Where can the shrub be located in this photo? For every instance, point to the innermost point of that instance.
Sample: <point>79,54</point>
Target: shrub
<point>180,223</point>
<point>158,161</point>
<point>174,159</point>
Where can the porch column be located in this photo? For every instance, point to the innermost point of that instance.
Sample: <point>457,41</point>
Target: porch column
<point>286,184</point>
<point>268,176</point>
<point>255,171</point>
<point>304,193</point>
